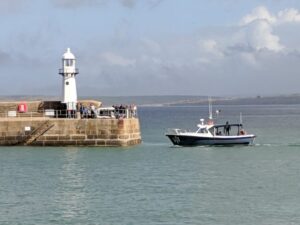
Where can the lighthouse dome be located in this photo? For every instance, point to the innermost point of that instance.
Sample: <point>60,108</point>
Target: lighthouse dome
<point>68,54</point>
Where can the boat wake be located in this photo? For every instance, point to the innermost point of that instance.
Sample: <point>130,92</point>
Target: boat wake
<point>253,146</point>
<point>272,145</point>
<point>294,145</point>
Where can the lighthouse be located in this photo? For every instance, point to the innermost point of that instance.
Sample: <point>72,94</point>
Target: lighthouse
<point>68,72</point>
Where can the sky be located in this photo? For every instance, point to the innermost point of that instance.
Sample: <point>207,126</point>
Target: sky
<point>151,47</point>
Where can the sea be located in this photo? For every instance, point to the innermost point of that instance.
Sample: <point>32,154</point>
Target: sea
<point>157,183</point>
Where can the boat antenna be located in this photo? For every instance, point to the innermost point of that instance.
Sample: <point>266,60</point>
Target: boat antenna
<point>210,108</point>
<point>241,118</point>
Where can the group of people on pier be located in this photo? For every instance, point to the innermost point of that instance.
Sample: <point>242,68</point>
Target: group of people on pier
<point>117,111</point>
<point>87,112</point>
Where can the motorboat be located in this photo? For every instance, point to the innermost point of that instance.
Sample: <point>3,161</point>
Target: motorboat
<point>211,134</point>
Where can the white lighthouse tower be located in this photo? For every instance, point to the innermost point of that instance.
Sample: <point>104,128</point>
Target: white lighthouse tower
<point>68,73</point>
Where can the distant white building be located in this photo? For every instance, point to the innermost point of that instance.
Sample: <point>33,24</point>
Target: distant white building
<point>68,72</point>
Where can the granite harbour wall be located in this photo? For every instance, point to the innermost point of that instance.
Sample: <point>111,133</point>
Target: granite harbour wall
<point>35,126</point>
<point>43,131</point>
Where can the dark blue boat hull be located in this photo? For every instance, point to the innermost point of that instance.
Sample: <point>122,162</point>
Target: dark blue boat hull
<point>184,140</point>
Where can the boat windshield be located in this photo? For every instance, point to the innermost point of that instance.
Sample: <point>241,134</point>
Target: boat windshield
<point>202,131</point>
<point>229,129</point>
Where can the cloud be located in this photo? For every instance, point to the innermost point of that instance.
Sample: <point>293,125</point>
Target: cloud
<point>258,28</point>
<point>259,13</point>
<point>230,58</point>
<point>288,15</point>
<point>259,36</point>
<point>116,60</point>
<point>211,47</point>
<point>262,13</point>
<point>257,31</point>
<point>233,59</point>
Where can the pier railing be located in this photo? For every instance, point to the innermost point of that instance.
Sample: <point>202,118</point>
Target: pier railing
<point>88,114</point>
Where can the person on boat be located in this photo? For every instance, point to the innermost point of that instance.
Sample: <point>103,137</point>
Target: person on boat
<point>227,128</point>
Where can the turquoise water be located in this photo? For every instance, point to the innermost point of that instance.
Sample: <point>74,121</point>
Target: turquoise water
<point>155,183</point>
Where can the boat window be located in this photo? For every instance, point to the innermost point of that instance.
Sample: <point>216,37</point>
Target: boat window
<point>211,130</point>
<point>203,131</point>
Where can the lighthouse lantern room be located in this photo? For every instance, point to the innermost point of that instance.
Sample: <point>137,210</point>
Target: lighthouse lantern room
<point>68,72</point>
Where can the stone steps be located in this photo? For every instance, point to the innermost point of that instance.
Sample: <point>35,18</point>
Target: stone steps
<point>38,132</point>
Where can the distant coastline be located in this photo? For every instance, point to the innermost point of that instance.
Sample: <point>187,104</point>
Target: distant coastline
<point>258,100</point>
<point>181,100</point>
<point>175,100</point>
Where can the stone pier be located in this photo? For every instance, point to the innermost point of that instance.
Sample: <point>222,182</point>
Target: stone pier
<point>40,130</point>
